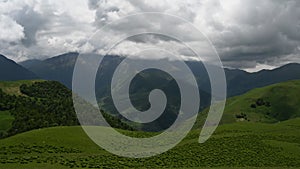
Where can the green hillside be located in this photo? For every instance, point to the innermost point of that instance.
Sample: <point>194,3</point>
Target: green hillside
<point>28,105</point>
<point>235,145</point>
<point>271,104</point>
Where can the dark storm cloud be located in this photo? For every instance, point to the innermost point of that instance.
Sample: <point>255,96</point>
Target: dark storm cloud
<point>249,32</point>
<point>246,32</point>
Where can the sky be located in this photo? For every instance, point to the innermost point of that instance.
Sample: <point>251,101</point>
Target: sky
<point>247,34</point>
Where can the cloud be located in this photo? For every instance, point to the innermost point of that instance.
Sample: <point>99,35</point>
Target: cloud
<point>254,32</point>
<point>10,30</point>
<point>247,34</point>
<point>43,28</point>
<point>32,22</point>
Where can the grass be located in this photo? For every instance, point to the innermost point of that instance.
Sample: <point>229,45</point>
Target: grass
<point>45,166</point>
<point>5,120</point>
<point>13,87</point>
<point>283,98</point>
<point>234,145</point>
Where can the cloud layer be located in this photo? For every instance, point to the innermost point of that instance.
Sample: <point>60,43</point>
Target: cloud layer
<point>248,34</point>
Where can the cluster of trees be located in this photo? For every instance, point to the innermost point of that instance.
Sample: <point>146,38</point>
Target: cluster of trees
<point>6,101</point>
<point>44,104</point>
<point>260,102</point>
<point>46,90</point>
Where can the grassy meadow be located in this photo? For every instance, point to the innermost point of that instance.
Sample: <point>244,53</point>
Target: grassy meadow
<point>246,145</point>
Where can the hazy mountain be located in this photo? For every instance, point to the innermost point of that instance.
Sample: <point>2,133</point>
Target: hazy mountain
<point>10,70</point>
<point>31,63</point>
<point>143,83</point>
<point>240,82</point>
<point>59,68</point>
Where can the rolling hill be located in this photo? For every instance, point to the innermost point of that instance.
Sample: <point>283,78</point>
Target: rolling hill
<point>270,104</point>
<point>239,145</point>
<point>10,70</point>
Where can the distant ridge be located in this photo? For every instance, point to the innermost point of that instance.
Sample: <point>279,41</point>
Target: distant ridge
<point>239,81</point>
<point>11,71</point>
<point>60,68</point>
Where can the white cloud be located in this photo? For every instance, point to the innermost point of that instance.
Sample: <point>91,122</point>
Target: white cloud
<point>43,28</point>
<point>259,67</point>
<point>10,30</point>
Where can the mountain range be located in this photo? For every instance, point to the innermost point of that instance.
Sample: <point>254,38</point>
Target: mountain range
<point>60,68</point>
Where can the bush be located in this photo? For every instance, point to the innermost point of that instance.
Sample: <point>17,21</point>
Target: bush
<point>253,106</point>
